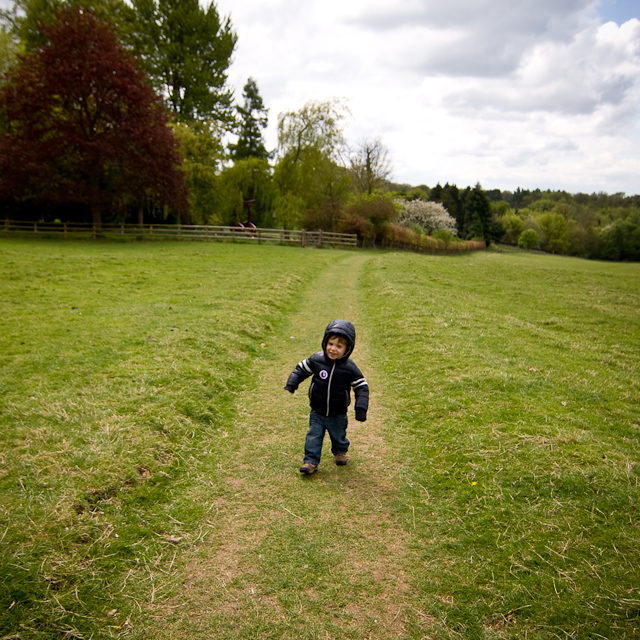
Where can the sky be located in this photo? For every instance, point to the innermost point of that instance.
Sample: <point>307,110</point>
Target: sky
<point>508,93</point>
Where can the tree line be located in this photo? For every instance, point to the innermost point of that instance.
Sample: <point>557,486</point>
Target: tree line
<point>595,226</point>
<point>121,112</point>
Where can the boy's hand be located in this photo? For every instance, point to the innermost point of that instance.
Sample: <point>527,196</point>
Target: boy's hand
<point>361,415</point>
<point>290,389</point>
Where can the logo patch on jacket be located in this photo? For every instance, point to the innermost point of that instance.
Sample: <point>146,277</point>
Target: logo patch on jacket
<point>324,374</point>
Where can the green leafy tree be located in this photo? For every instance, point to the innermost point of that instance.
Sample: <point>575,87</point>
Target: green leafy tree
<point>186,50</point>
<point>620,241</point>
<point>453,201</point>
<point>333,185</point>
<point>253,119</point>
<point>202,150</point>
<point>369,216</point>
<point>499,208</point>
<point>8,52</point>
<point>419,193</point>
<point>317,126</point>
<point>436,193</point>
<point>288,210</point>
<point>26,17</point>
<point>555,232</point>
<point>248,192</point>
<point>309,172</point>
<point>542,206</point>
<point>512,226</point>
<point>528,239</point>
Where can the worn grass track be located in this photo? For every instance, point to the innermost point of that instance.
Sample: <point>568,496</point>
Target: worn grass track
<point>302,557</point>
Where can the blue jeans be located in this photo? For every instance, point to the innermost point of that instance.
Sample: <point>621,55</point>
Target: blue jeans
<point>318,424</point>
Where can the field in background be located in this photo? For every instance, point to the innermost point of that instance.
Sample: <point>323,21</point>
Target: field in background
<point>512,380</point>
<point>516,383</point>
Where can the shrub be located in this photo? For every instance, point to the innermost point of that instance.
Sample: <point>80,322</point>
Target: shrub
<point>445,236</point>
<point>528,239</point>
<point>513,226</point>
<point>395,235</point>
<point>355,223</point>
<point>377,209</point>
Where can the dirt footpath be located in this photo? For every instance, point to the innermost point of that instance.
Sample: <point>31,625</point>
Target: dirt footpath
<point>289,556</point>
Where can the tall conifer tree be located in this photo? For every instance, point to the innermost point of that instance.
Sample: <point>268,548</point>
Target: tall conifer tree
<point>253,118</point>
<point>187,50</point>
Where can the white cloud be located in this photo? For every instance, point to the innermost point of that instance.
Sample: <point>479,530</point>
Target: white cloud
<point>533,93</point>
<point>599,68</point>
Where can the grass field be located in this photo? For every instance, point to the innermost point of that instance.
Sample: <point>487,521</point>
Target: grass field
<point>148,453</point>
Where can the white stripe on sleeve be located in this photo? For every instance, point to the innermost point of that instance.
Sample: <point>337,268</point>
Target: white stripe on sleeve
<point>305,365</point>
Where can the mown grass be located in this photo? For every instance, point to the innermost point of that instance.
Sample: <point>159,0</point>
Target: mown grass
<point>515,380</point>
<point>142,496</point>
<point>121,366</point>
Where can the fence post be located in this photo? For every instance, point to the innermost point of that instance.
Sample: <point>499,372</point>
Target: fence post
<point>259,237</point>
<point>121,229</point>
<point>35,227</point>
<point>320,239</point>
<point>303,240</point>
<point>65,230</point>
<point>150,230</point>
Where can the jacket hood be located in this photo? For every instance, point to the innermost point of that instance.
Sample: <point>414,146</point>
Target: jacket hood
<point>340,328</point>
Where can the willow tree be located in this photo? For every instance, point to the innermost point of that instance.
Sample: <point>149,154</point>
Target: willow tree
<point>310,172</point>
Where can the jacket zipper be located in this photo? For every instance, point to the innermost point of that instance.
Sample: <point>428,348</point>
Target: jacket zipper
<point>329,386</point>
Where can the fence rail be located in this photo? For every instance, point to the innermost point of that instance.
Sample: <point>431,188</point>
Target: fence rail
<point>184,232</point>
<point>399,239</point>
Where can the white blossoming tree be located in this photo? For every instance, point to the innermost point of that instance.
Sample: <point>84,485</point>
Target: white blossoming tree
<point>429,216</point>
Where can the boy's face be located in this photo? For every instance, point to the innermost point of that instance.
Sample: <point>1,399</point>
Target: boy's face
<point>336,347</point>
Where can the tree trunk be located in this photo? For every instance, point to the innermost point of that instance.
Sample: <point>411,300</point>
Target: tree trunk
<point>96,218</point>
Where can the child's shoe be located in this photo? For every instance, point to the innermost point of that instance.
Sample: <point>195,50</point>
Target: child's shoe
<point>341,459</point>
<point>307,468</point>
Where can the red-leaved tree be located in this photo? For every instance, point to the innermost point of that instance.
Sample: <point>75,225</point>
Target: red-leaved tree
<point>79,124</point>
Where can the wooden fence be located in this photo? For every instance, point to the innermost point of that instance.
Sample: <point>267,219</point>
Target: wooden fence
<point>398,238</point>
<point>183,232</point>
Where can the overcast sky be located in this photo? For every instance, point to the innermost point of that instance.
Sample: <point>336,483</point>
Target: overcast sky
<point>508,93</point>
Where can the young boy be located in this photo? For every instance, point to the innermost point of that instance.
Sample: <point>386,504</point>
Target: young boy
<point>334,374</point>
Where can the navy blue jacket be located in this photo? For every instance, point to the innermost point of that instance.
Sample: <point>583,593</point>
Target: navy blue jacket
<point>330,389</point>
